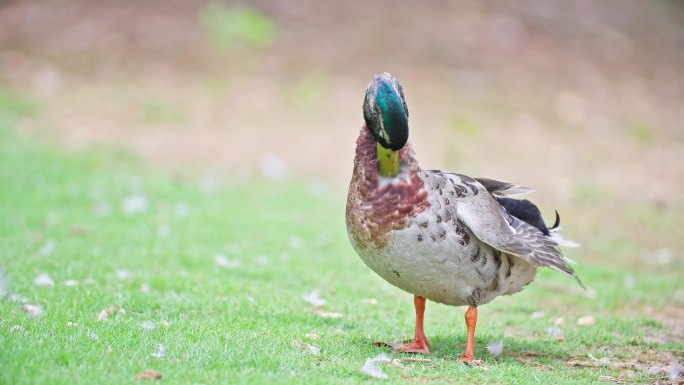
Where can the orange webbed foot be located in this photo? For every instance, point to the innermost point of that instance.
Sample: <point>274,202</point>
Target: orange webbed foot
<point>419,347</point>
<point>420,343</point>
<point>470,360</point>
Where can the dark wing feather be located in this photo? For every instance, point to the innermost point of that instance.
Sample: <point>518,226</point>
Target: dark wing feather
<point>526,211</point>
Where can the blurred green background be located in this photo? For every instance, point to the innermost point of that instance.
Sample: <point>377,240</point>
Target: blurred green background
<point>582,100</point>
<point>589,94</point>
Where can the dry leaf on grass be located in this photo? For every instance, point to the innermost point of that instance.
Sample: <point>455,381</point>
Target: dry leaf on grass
<point>106,312</point>
<point>148,374</point>
<point>646,362</point>
<point>587,320</point>
<point>326,314</point>
<point>611,379</point>
<point>299,345</point>
<point>78,230</point>
<point>397,364</point>
<point>530,357</point>
<point>474,363</point>
<point>537,314</point>
<point>182,358</point>
<point>311,336</point>
<point>415,359</point>
<point>33,311</point>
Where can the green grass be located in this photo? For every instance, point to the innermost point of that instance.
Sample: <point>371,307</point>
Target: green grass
<point>237,325</point>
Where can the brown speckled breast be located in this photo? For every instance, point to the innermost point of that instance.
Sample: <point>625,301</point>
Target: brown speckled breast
<point>374,206</point>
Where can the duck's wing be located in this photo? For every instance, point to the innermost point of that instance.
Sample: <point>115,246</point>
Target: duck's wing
<point>491,224</point>
<point>524,210</point>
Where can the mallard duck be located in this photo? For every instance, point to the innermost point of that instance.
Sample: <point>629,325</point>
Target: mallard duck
<point>439,235</point>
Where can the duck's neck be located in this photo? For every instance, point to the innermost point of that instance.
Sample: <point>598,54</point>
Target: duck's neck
<point>369,163</point>
<point>388,161</point>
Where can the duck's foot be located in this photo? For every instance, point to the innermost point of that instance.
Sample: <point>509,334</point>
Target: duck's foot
<point>470,360</point>
<point>414,347</point>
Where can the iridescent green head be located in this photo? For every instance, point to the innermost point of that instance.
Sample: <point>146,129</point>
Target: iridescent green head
<point>385,111</point>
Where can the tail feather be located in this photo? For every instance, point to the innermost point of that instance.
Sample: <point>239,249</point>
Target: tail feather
<point>562,241</point>
<point>554,233</point>
<point>556,224</point>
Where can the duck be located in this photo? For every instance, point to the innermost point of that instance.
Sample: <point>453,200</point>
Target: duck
<point>441,236</point>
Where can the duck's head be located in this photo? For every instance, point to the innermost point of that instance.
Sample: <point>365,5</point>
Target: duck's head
<point>385,112</point>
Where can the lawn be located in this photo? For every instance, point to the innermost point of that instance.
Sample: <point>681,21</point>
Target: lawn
<point>201,278</point>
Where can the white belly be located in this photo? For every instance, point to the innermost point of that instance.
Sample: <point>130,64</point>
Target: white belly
<point>441,270</point>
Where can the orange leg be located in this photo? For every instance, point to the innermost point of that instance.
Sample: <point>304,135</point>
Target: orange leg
<point>420,343</point>
<point>470,320</point>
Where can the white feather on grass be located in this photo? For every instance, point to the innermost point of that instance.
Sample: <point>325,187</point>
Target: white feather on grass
<point>675,371</point>
<point>372,369</point>
<point>226,263</point>
<point>4,282</point>
<point>495,348</point>
<point>135,204</point>
<point>314,298</point>
<point>43,279</point>
<point>160,352</point>
<point>48,248</point>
